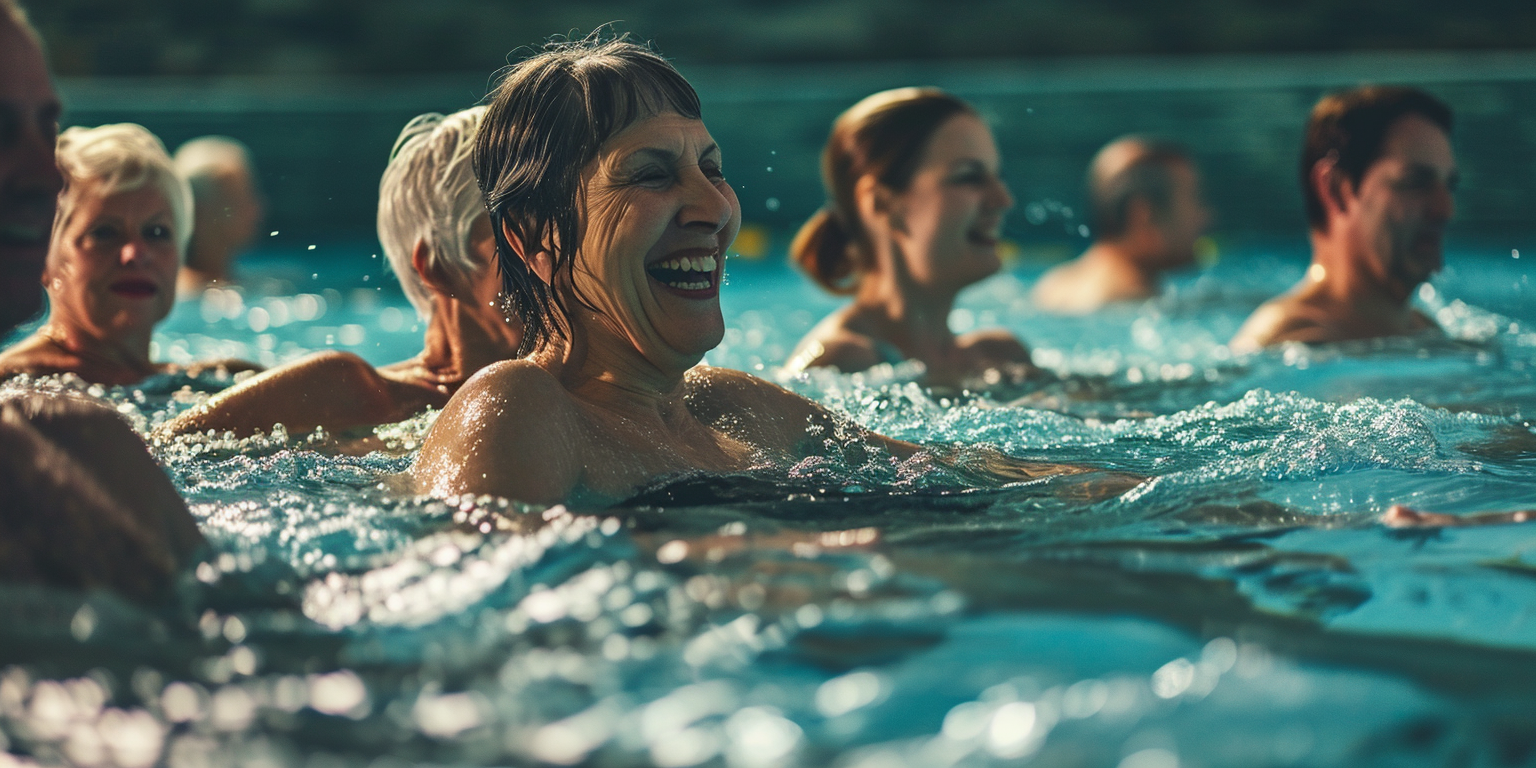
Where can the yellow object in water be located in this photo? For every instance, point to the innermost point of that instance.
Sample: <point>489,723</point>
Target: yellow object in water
<point>1206,252</point>
<point>752,241</point>
<point>1009,253</point>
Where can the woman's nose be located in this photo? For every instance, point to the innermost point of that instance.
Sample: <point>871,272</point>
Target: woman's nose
<point>134,251</point>
<point>706,206</point>
<point>1001,197</point>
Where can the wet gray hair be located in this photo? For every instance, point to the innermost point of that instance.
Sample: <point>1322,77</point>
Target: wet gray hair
<point>428,193</point>
<point>123,157</point>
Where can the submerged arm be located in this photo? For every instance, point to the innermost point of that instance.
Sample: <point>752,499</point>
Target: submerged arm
<point>770,416</point>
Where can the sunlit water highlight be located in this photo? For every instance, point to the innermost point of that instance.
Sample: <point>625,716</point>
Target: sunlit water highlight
<point>1240,608</point>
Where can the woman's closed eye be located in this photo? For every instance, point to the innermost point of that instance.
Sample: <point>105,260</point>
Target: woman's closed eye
<point>649,176</point>
<point>972,174</point>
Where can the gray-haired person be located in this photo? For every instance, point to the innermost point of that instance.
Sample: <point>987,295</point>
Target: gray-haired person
<point>1147,214</point>
<point>437,235</point>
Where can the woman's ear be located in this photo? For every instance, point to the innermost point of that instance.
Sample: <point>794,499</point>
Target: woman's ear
<point>876,203</point>
<point>540,262</point>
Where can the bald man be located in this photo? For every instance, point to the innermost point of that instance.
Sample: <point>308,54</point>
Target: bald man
<point>1147,214</point>
<point>227,209</point>
<point>82,504</point>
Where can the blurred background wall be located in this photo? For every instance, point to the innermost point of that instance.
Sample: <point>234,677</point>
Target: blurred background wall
<point>319,88</point>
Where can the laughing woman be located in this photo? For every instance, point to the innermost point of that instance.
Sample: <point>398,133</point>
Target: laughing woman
<point>123,223</point>
<point>612,215</point>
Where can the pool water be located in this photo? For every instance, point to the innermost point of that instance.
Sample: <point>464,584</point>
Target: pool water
<point>1239,608</point>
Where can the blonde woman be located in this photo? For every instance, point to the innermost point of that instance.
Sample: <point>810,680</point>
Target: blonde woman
<point>124,219</point>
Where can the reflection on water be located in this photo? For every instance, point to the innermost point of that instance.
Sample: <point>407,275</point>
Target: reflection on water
<point>1239,608</point>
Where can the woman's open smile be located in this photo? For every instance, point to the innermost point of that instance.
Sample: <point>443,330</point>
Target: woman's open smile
<point>692,273</point>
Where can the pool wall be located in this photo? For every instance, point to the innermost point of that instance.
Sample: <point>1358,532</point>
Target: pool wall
<point>321,144</point>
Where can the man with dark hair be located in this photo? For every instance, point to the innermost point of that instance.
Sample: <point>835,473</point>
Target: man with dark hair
<point>1147,214</point>
<point>82,504</point>
<point>1377,173</point>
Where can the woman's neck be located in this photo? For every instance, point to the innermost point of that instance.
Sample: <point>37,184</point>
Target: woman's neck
<point>913,318</point>
<point>603,368</point>
<point>119,359</point>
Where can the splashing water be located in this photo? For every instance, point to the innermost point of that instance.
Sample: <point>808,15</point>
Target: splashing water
<point>1241,607</point>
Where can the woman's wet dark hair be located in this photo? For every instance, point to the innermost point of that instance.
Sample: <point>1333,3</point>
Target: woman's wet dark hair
<point>548,117</point>
<point>883,135</point>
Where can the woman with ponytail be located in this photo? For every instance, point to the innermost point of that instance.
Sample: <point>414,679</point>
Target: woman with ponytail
<point>914,214</point>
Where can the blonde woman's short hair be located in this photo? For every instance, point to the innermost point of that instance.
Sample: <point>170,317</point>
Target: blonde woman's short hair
<point>122,157</point>
<point>429,194</point>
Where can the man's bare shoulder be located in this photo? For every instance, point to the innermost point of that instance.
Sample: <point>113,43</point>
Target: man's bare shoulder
<point>995,345</point>
<point>1057,282</point>
<point>1079,288</point>
<point>1284,318</point>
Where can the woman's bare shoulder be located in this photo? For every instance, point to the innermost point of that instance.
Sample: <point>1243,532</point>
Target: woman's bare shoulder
<point>840,348</point>
<point>752,409</point>
<point>332,389</point>
<point>512,430</point>
<point>34,356</point>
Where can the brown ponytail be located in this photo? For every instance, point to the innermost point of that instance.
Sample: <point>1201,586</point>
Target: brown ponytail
<point>882,136</point>
<point>823,249</point>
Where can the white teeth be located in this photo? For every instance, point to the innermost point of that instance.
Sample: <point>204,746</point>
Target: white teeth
<point>695,264</point>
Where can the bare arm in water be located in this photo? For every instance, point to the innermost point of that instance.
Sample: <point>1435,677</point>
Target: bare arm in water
<point>82,504</point>
<point>335,390</point>
<point>1400,516</point>
<point>768,415</point>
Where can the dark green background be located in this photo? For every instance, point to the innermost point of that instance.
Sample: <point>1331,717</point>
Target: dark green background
<point>319,88</point>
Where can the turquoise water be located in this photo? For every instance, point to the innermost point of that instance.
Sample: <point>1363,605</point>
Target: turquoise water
<point>1240,608</point>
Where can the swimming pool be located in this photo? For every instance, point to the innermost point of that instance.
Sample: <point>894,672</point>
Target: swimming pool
<point>1241,608</point>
